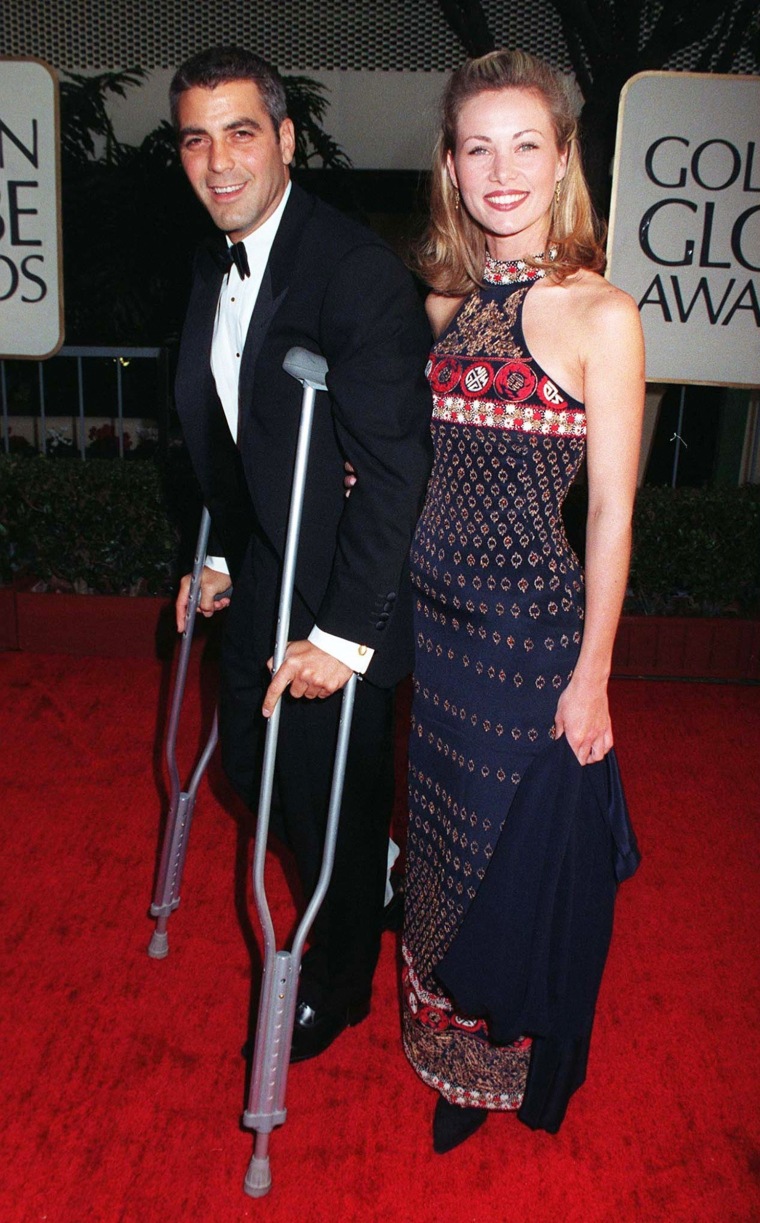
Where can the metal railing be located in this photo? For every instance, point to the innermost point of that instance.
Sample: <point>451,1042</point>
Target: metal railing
<point>121,357</point>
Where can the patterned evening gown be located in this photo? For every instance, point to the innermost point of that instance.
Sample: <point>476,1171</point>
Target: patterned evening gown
<point>498,623</point>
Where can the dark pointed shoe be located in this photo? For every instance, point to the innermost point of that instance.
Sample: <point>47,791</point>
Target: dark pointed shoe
<point>314,1031</point>
<point>452,1124</point>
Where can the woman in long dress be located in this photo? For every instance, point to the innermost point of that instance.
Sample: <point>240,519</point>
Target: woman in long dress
<point>518,831</point>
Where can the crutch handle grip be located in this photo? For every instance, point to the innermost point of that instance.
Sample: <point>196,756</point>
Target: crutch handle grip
<point>308,367</point>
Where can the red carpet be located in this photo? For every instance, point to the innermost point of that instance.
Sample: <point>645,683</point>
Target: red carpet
<point>122,1077</point>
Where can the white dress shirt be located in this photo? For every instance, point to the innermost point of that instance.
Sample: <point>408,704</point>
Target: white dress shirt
<point>237,299</point>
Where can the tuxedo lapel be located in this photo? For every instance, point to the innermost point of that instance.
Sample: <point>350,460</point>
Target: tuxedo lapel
<point>203,420</point>
<point>284,253</point>
<point>198,331</point>
<point>274,289</point>
<point>263,313</point>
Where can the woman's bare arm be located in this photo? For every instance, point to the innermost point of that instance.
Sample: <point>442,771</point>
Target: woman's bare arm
<point>614,400</point>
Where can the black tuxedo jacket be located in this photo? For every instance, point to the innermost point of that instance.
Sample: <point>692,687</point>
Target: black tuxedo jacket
<point>333,287</point>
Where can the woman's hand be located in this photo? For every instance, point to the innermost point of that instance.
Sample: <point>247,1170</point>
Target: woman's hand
<point>349,480</point>
<point>583,716</point>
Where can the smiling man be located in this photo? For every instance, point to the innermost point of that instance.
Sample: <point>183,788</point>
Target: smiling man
<point>288,270</point>
<point>235,157</point>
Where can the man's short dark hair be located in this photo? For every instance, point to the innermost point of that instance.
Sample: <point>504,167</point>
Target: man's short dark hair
<point>218,66</point>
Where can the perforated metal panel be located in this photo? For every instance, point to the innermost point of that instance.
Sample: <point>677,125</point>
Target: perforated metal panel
<point>302,35</point>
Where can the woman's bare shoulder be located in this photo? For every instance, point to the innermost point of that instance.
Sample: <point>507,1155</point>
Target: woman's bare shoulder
<point>606,325</point>
<point>595,295</point>
<point>597,307</point>
<point>441,310</point>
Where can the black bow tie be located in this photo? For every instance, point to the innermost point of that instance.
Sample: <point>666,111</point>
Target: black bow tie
<point>236,253</point>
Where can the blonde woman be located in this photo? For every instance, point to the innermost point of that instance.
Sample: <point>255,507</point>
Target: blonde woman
<point>518,831</point>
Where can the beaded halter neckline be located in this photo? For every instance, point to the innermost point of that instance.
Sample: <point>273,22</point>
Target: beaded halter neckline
<point>511,271</point>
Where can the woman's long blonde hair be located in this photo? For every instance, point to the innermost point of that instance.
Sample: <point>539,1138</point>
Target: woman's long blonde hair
<point>451,256</point>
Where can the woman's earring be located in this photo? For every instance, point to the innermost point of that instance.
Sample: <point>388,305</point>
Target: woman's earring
<point>557,190</point>
<point>456,198</point>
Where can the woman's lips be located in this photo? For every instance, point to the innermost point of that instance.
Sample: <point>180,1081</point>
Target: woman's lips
<point>506,201</point>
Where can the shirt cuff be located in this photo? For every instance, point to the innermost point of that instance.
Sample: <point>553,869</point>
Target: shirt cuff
<point>350,653</point>
<point>217,563</point>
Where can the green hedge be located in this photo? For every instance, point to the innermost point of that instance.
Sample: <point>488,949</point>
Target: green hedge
<point>108,527</point>
<point>100,526</point>
<point>696,551</point>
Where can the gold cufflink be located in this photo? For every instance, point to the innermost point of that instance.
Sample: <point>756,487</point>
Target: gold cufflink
<point>362,650</point>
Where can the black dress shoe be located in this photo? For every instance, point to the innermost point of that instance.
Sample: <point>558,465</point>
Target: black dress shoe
<point>452,1124</point>
<point>314,1031</point>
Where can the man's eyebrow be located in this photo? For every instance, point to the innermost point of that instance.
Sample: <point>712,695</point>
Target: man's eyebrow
<point>244,122</point>
<point>232,126</point>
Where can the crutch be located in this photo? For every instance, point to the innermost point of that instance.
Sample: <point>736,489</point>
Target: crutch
<point>166,896</point>
<point>277,1003</point>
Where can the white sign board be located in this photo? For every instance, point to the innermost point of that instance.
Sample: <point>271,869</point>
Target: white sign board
<point>31,292</point>
<point>685,223</point>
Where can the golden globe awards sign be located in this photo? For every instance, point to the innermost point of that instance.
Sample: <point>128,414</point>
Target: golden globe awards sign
<point>31,298</point>
<point>685,223</point>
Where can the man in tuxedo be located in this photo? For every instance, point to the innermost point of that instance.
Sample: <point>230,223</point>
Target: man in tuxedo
<point>293,271</point>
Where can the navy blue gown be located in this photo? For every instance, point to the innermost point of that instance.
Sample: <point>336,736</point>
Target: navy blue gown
<point>498,622</point>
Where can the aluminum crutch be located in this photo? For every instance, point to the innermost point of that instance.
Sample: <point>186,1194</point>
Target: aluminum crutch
<point>166,896</point>
<point>279,985</point>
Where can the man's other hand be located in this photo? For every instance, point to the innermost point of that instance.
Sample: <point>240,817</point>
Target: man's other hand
<point>349,480</point>
<point>213,584</point>
<point>309,672</point>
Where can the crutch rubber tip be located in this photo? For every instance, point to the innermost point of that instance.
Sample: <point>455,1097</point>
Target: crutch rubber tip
<point>158,947</point>
<point>258,1178</point>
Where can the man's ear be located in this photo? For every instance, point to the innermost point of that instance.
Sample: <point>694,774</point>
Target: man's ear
<point>287,141</point>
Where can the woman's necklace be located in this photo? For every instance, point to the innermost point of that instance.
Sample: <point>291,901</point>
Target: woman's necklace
<point>511,271</point>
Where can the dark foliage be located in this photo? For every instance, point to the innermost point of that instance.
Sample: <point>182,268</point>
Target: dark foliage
<point>306,107</point>
<point>86,129</point>
<point>98,526</point>
<point>612,41</point>
<point>470,24</point>
<point>696,552</point>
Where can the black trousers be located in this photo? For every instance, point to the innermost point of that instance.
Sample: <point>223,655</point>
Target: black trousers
<point>345,939</point>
